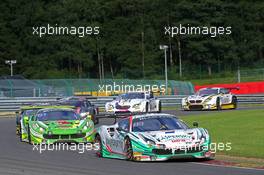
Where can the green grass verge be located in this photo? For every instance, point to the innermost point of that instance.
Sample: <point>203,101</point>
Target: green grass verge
<point>243,128</point>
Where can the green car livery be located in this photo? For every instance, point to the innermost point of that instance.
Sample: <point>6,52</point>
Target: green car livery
<point>56,124</point>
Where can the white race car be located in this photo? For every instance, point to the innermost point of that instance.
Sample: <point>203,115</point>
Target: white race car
<point>210,98</point>
<point>152,137</point>
<point>134,102</point>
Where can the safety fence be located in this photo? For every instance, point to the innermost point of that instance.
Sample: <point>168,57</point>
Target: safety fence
<point>13,104</point>
<point>17,86</point>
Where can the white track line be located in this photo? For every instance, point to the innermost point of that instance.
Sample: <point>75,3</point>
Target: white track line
<point>228,166</point>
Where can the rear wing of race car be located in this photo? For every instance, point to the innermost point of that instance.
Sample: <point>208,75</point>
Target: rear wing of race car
<point>233,88</point>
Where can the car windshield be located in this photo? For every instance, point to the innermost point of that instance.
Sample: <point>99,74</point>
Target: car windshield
<point>157,124</point>
<point>29,112</point>
<point>57,115</point>
<point>132,96</point>
<point>72,103</point>
<point>204,92</point>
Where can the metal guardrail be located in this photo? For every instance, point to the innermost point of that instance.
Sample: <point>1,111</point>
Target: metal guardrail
<point>13,104</point>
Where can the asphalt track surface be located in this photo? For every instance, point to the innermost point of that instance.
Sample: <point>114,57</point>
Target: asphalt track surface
<point>19,158</point>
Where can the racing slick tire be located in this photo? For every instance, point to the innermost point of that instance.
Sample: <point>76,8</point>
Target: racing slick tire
<point>218,105</point>
<point>234,102</point>
<point>147,108</point>
<point>20,135</point>
<point>159,110</point>
<point>18,130</point>
<point>128,149</point>
<point>29,135</point>
<point>97,140</point>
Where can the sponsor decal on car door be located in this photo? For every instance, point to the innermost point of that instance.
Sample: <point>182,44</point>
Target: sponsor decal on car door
<point>226,99</point>
<point>116,142</point>
<point>152,103</point>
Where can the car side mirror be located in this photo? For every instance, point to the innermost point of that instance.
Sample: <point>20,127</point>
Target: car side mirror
<point>84,115</point>
<point>118,129</point>
<point>114,98</point>
<point>96,122</point>
<point>195,124</point>
<point>26,119</point>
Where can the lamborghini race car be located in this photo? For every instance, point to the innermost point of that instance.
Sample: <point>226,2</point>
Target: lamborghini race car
<point>152,137</point>
<point>210,98</point>
<point>51,125</point>
<point>134,102</point>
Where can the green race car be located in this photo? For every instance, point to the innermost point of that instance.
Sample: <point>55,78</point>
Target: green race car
<point>25,111</point>
<point>56,124</point>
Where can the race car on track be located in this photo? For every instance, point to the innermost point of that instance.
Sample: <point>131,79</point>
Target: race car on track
<point>24,111</point>
<point>56,124</point>
<point>82,106</point>
<point>210,98</point>
<point>152,137</point>
<point>134,102</point>
<point>27,111</point>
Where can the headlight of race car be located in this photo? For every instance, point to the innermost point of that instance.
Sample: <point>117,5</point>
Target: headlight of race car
<point>208,99</point>
<point>184,100</point>
<point>36,127</point>
<point>136,106</point>
<point>110,106</point>
<point>41,130</point>
<point>148,141</point>
<point>85,127</point>
<point>89,124</point>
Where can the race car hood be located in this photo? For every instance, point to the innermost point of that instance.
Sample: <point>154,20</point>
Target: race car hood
<point>59,124</point>
<point>177,138</point>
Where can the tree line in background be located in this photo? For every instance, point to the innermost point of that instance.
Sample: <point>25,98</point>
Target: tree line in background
<point>130,34</point>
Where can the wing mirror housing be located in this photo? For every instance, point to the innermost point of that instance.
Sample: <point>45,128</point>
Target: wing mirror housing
<point>26,119</point>
<point>195,124</point>
<point>84,115</point>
